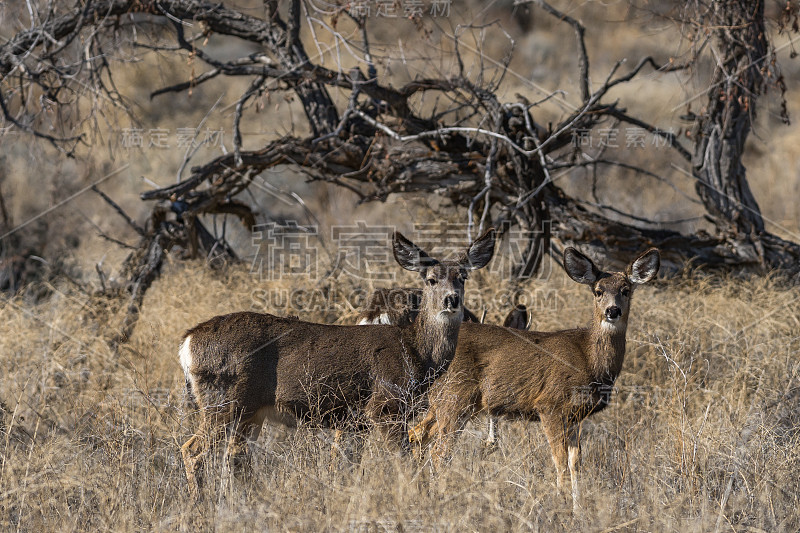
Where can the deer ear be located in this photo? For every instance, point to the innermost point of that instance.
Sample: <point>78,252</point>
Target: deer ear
<point>410,256</point>
<point>480,251</point>
<point>517,318</point>
<point>645,267</point>
<point>579,267</point>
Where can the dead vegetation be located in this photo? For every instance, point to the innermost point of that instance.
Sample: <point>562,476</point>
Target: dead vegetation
<point>702,431</point>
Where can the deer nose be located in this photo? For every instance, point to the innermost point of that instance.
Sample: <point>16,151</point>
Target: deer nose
<point>452,301</point>
<point>613,313</point>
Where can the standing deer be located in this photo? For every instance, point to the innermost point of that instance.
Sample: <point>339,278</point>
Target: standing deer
<point>400,305</point>
<point>560,377</point>
<point>244,368</point>
<point>397,306</point>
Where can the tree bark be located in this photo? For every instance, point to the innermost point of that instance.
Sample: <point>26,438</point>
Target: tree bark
<point>722,129</point>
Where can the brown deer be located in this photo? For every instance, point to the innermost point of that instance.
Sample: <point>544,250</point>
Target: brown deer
<point>559,378</point>
<point>400,305</point>
<point>397,306</point>
<point>244,368</point>
<point>517,318</point>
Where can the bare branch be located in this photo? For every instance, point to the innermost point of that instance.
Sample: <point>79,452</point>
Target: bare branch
<point>583,56</point>
<point>132,223</point>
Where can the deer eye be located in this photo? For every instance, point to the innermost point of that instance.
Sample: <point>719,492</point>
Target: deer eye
<point>625,292</point>
<point>431,281</point>
<point>598,292</point>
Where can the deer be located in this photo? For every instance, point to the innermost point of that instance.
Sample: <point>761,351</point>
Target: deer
<point>246,368</point>
<point>397,306</point>
<point>558,378</point>
<point>400,305</point>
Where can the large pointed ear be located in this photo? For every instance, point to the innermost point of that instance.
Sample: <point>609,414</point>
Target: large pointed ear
<point>579,267</point>
<point>480,251</point>
<point>517,318</point>
<point>645,267</point>
<point>409,255</point>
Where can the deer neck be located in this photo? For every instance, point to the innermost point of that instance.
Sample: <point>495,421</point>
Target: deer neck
<point>606,349</point>
<point>434,339</point>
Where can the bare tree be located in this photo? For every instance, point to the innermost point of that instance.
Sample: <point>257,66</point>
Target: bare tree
<point>489,157</point>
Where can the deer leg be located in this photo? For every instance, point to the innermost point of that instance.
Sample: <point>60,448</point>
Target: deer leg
<point>247,429</point>
<point>453,407</point>
<point>555,429</point>
<point>574,450</point>
<point>345,446</point>
<point>421,433</point>
<point>336,447</point>
<point>195,450</point>
<point>386,413</point>
<point>441,447</point>
<point>491,438</point>
<point>448,424</point>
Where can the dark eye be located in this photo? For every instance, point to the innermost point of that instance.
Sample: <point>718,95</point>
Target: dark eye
<point>431,281</point>
<point>598,293</point>
<point>625,292</point>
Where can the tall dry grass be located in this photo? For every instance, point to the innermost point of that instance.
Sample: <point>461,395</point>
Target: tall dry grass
<point>702,433</point>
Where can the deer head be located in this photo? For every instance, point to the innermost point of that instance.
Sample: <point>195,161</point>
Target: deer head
<point>612,290</point>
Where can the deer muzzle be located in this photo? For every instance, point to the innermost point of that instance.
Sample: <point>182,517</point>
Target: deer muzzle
<point>452,302</point>
<point>613,313</point>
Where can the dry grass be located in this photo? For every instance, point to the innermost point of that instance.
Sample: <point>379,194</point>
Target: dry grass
<point>702,433</point>
<point>705,412</point>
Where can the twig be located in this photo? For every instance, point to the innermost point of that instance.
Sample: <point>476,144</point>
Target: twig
<point>583,56</point>
<point>194,82</point>
<point>64,201</point>
<point>351,107</point>
<point>190,152</point>
<point>254,87</point>
<point>101,275</point>
<point>132,223</point>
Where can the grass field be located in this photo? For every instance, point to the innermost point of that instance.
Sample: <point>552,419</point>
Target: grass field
<point>702,433</point>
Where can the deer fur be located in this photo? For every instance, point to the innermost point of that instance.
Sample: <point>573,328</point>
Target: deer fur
<point>558,378</point>
<point>396,306</point>
<point>245,368</point>
<point>400,305</point>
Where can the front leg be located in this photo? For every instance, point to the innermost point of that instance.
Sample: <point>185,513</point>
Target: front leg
<point>387,413</point>
<point>574,451</point>
<point>422,432</point>
<point>563,435</point>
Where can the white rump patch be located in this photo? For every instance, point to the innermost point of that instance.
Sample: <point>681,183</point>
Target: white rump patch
<point>185,355</point>
<point>382,319</point>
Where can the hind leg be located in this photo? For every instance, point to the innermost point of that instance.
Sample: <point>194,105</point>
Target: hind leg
<point>453,405</point>
<point>248,428</point>
<point>198,447</point>
<point>491,437</point>
<point>193,452</point>
<point>421,433</point>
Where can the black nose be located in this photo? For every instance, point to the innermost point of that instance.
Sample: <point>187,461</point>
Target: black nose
<point>613,312</point>
<point>452,301</point>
